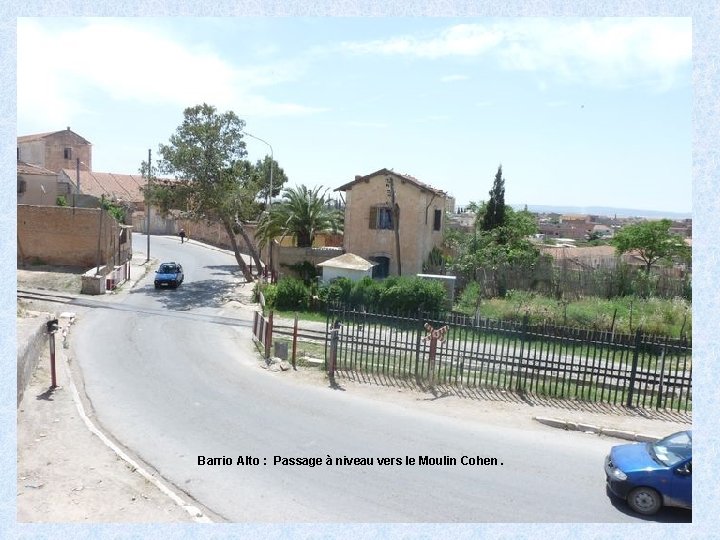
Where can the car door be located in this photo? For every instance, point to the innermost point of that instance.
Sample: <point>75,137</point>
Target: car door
<point>681,484</point>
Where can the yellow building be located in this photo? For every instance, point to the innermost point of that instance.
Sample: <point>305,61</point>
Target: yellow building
<point>370,221</point>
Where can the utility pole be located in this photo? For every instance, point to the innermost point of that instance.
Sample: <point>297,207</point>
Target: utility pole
<point>390,184</point>
<point>268,198</point>
<point>77,178</point>
<point>147,204</point>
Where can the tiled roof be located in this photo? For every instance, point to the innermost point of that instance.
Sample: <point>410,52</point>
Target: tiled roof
<point>114,186</point>
<point>406,177</point>
<point>349,261</point>
<point>38,136</point>
<point>29,168</point>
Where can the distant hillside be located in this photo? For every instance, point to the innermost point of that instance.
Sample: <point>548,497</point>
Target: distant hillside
<point>604,211</point>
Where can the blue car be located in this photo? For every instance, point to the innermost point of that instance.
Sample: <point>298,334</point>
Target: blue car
<point>652,475</point>
<point>169,274</point>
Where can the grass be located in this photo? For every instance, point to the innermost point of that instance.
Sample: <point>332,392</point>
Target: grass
<point>623,315</point>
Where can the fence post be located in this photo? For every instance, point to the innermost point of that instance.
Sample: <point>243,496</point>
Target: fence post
<point>633,370</point>
<point>334,337</point>
<point>662,375</point>
<point>417,347</point>
<point>268,336</point>
<point>523,338</point>
<point>295,333</point>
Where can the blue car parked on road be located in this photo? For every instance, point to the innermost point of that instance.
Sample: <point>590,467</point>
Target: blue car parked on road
<point>652,475</point>
<point>169,274</point>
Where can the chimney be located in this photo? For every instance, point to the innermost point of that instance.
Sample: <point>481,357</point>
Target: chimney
<point>68,128</point>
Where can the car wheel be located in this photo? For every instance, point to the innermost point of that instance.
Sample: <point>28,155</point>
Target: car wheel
<point>644,500</point>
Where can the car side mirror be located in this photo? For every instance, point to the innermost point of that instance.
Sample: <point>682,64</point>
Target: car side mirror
<point>685,470</point>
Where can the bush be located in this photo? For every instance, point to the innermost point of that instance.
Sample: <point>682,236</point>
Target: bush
<point>338,291</point>
<point>290,294</point>
<point>410,294</point>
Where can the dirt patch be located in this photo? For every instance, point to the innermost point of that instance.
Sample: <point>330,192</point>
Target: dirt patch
<point>54,278</point>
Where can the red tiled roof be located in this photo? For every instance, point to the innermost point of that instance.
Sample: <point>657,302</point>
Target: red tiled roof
<point>29,168</point>
<point>406,177</point>
<point>38,136</point>
<point>114,186</point>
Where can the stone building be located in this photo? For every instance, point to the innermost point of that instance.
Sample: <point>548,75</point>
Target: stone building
<point>369,221</point>
<point>55,150</point>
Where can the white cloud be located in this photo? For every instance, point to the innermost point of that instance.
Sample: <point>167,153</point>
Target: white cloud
<point>132,63</point>
<point>610,51</point>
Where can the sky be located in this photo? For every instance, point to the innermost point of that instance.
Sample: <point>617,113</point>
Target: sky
<point>578,111</point>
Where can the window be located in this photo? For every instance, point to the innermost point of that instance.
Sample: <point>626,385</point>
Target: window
<point>437,221</point>
<point>381,217</point>
<point>67,154</point>
<point>21,186</point>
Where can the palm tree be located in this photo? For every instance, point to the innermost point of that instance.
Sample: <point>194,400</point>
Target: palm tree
<point>301,213</point>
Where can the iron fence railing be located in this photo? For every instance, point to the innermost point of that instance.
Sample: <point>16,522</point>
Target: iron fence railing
<point>633,370</point>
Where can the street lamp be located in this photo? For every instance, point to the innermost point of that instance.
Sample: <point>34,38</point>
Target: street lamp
<point>268,197</point>
<point>272,161</point>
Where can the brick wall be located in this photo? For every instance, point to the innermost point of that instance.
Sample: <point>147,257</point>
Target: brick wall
<point>69,236</point>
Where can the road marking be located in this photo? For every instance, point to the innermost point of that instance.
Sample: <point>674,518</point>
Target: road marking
<point>195,513</point>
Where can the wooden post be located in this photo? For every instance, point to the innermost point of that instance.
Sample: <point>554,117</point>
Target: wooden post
<point>268,336</point>
<point>52,327</point>
<point>295,332</point>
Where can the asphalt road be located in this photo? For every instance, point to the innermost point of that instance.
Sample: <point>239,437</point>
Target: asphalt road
<point>174,388</point>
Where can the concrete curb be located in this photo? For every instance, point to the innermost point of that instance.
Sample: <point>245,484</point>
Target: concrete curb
<point>195,513</point>
<point>569,425</point>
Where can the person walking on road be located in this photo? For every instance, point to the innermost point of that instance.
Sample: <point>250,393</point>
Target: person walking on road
<point>182,236</point>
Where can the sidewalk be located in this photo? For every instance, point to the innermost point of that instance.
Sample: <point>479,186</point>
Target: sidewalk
<point>65,472</point>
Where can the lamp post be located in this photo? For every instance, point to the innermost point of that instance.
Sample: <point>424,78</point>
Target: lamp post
<point>268,197</point>
<point>147,204</point>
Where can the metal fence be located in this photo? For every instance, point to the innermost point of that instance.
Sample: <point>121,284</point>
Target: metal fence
<point>633,370</point>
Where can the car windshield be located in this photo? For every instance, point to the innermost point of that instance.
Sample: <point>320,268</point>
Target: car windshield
<point>167,269</point>
<point>672,449</point>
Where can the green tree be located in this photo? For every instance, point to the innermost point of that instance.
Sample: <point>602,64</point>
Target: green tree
<point>205,155</point>
<point>505,244</point>
<point>302,213</point>
<point>279,178</point>
<point>494,215</point>
<point>652,241</point>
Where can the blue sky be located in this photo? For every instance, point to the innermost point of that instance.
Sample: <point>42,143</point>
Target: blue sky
<point>581,112</point>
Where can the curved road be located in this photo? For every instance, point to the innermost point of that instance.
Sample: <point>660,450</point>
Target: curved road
<point>172,385</point>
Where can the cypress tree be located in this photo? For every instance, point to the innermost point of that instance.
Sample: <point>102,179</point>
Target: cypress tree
<point>495,210</point>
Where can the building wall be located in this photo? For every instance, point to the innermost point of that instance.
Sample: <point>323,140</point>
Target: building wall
<point>329,273</point>
<point>49,151</point>
<point>40,189</point>
<point>284,257</point>
<point>417,238</point>
<point>69,236</point>
<point>32,152</point>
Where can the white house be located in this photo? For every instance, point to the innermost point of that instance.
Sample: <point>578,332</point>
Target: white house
<point>347,265</point>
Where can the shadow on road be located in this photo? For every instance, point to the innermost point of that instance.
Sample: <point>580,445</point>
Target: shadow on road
<point>667,514</point>
<point>211,293</point>
<point>440,391</point>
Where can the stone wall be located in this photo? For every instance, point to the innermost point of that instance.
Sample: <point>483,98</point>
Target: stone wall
<point>59,235</point>
<point>31,338</point>
<point>288,256</point>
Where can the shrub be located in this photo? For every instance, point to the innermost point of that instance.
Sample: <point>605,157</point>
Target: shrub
<point>290,294</point>
<point>270,293</point>
<point>409,294</point>
<point>338,291</point>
